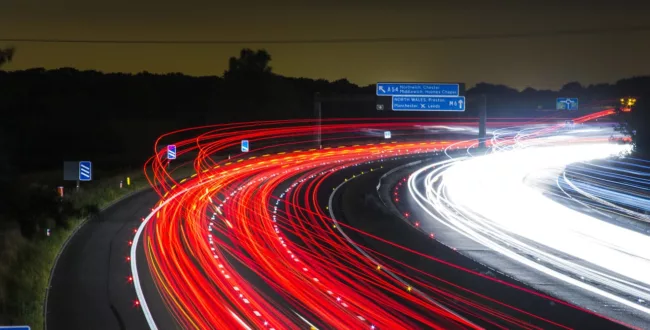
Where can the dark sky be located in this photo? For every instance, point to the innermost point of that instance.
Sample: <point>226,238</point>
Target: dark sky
<point>542,62</point>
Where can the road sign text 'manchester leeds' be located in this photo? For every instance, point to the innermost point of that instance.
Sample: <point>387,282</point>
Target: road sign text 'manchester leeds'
<point>419,103</point>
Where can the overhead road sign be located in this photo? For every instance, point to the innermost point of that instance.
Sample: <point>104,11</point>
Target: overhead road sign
<point>419,89</point>
<point>566,103</point>
<point>171,151</point>
<point>244,146</point>
<point>85,171</point>
<point>387,92</point>
<point>426,103</point>
<point>16,327</point>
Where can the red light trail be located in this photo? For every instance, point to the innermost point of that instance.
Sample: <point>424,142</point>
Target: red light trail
<point>262,212</point>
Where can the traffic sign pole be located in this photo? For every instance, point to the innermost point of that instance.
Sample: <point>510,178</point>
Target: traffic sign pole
<point>319,117</point>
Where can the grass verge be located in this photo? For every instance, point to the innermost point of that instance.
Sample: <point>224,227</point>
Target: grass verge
<point>25,264</point>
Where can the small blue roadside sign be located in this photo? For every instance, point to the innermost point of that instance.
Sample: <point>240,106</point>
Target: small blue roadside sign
<point>419,89</point>
<point>244,146</point>
<point>85,171</point>
<point>426,103</point>
<point>566,103</point>
<point>171,151</point>
<point>15,327</point>
<point>387,135</point>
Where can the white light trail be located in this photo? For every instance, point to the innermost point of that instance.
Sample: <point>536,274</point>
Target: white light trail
<point>491,200</point>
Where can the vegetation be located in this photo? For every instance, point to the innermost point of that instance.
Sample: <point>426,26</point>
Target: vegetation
<point>6,55</point>
<point>27,254</point>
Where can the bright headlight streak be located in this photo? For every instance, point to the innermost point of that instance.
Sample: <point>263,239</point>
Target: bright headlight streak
<point>493,187</point>
<point>483,184</point>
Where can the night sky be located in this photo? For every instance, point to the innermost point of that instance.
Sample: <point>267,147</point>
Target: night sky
<point>541,62</point>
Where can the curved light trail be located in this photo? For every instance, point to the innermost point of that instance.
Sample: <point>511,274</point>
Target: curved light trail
<point>506,201</point>
<point>248,240</point>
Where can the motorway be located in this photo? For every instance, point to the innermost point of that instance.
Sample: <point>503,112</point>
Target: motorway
<point>294,236</point>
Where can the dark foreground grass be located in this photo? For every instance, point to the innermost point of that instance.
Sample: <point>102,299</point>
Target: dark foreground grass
<point>25,265</point>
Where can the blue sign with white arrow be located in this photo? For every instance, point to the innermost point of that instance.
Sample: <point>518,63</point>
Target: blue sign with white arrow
<point>566,103</point>
<point>425,103</point>
<point>244,146</point>
<point>85,171</point>
<point>419,89</point>
<point>171,151</point>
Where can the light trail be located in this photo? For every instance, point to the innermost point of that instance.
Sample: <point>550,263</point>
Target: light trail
<point>249,242</point>
<point>503,201</point>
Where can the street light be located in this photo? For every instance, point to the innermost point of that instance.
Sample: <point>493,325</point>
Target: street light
<point>627,103</point>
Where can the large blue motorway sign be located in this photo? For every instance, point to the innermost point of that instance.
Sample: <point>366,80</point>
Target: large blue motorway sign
<point>427,103</point>
<point>420,96</point>
<point>15,327</point>
<point>566,103</point>
<point>419,89</point>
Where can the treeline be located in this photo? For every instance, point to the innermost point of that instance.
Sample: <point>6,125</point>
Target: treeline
<point>49,116</point>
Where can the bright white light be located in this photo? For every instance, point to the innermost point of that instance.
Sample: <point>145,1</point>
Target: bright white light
<point>493,186</point>
<point>488,200</point>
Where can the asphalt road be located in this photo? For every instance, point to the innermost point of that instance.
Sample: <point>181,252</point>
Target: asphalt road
<point>89,286</point>
<point>358,204</point>
<point>90,289</point>
<point>513,269</point>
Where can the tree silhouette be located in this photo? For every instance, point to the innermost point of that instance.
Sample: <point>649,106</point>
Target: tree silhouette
<point>6,55</point>
<point>573,88</point>
<point>250,62</point>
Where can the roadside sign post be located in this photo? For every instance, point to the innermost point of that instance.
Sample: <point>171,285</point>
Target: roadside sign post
<point>85,172</point>
<point>171,152</point>
<point>387,135</point>
<point>244,146</point>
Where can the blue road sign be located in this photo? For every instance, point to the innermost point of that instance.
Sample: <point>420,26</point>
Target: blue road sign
<point>426,103</point>
<point>15,327</point>
<point>566,103</point>
<point>387,135</point>
<point>171,151</point>
<point>419,89</point>
<point>244,146</point>
<point>85,171</point>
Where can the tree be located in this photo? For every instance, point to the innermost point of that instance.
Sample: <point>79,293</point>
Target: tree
<point>6,55</point>
<point>572,88</point>
<point>250,62</point>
